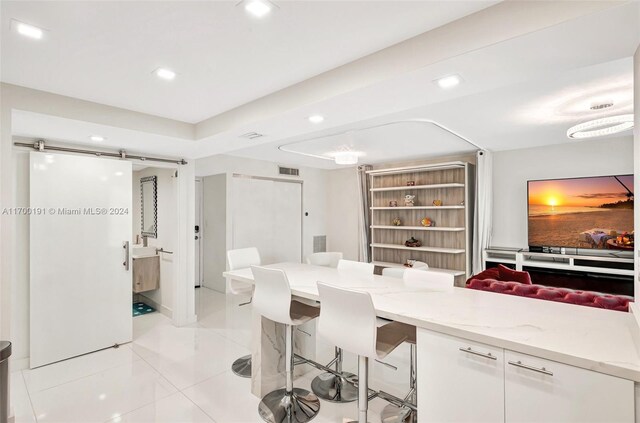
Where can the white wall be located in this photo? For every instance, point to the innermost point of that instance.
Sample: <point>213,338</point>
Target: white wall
<point>512,169</point>
<point>167,231</point>
<point>214,230</point>
<point>313,191</point>
<point>14,192</point>
<point>342,212</point>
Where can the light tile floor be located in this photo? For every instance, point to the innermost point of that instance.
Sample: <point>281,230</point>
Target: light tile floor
<point>172,375</point>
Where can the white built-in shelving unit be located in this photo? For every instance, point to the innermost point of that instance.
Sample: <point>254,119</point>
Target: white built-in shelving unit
<point>446,247</point>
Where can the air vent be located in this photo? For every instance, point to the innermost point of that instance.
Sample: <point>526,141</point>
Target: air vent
<point>251,135</point>
<point>289,171</point>
<point>320,244</point>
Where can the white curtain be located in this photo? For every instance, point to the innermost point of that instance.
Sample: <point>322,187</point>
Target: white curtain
<point>483,208</point>
<point>364,232</point>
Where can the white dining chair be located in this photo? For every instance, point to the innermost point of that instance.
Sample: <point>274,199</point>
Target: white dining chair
<point>357,267</point>
<point>328,259</point>
<point>348,320</point>
<point>272,299</point>
<point>242,258</point>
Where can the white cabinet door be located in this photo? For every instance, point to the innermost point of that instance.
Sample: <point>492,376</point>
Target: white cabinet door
<point>538,390</point>
<point>458,380</point>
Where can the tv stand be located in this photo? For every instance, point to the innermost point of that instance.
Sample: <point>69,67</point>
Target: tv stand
<point>600,273</point>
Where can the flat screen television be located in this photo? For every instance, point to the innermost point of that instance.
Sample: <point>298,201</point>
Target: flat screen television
<point>590,213</point>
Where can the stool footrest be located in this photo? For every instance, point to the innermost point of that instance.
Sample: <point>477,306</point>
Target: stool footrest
<point>398,402</point>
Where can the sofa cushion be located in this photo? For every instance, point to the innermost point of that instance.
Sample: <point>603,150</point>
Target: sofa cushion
<point>507,274</point>
<point>563,295</point>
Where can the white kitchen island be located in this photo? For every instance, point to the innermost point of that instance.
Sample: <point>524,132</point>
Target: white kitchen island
<point>484,356</point>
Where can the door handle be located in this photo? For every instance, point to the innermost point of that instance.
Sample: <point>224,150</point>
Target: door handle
<point>470,351</point>
<point>125,245</point>
<point>534,369</point>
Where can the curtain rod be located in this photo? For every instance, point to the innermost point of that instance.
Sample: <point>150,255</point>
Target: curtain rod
<point>122,154</point>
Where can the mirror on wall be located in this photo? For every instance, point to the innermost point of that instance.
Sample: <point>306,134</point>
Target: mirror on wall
<point>149,206</point>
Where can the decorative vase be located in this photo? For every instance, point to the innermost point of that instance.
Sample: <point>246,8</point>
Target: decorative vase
<point>396,222</point>
<point>437,203</point>
<point>393,203</point>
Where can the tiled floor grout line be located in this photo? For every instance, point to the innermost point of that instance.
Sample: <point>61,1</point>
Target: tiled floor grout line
<point>225,337</point>
<point>33,410</point>
<point>82,377</point>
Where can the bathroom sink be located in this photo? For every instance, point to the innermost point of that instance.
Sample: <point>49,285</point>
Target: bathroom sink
<point>141,252</point>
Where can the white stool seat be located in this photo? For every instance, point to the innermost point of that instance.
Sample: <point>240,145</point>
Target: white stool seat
<point>328,259</point>
<point>356,267</point>
<point>301,313</point>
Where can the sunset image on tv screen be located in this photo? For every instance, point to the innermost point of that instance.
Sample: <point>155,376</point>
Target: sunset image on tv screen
<point>582,213</point>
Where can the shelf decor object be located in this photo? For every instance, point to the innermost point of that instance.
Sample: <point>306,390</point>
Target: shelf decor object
<point>426,222</point>
<point>446,190</point>
<point>412,242</point>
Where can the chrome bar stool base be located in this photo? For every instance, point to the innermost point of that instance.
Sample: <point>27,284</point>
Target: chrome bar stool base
<point>242,366</point>
<point>332,388</point>
<point>298,407</point>
<point>393,414</point>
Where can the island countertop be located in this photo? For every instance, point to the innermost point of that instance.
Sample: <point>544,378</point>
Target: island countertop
<point>601,340</point>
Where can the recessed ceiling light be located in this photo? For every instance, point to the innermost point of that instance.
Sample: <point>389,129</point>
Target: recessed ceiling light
<point>601,127</point>
<point>96,138</point>
<point>258,8</point>
<point>316,118</point>
<point>448,81</point>
<point>346,158</point>
<point>27,30</point>
<point>164,73</point>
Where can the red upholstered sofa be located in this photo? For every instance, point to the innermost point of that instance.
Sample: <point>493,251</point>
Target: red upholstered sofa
<point>496,280</point>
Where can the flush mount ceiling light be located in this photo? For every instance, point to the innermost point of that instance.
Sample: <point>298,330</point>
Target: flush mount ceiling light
<point>601,127</point>
<point>27,30</point>
<point>165,74</point>
<point>96,138</point>
<point>316,118</point>
<point>447,82</point>
<point>346,158</point>
<point>258,8</point>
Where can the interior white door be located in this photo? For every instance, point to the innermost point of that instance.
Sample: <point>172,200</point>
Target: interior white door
<point>198,233</point>
<point>267,214</point>
<point>80,285</point>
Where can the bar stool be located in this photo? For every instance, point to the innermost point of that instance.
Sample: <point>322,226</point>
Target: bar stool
<point>272,299</point>
<point>242,258</point>
<point>329,259</point>
<point>348,319</point>
<point>434,281</point>
<point>327,385</point>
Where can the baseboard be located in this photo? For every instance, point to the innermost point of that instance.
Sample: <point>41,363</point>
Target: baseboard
<point>16,364</point>
<point>161,308</point>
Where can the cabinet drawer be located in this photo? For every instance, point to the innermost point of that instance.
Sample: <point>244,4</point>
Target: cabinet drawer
<point>539,390</point>
<point>459,380</point>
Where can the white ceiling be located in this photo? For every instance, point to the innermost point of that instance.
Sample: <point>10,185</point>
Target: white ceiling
<point>106,51</point>
<point>518,93</point>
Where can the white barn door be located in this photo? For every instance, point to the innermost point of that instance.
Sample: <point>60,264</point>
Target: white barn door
<point>267,214</point>
<point>80,280</point>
